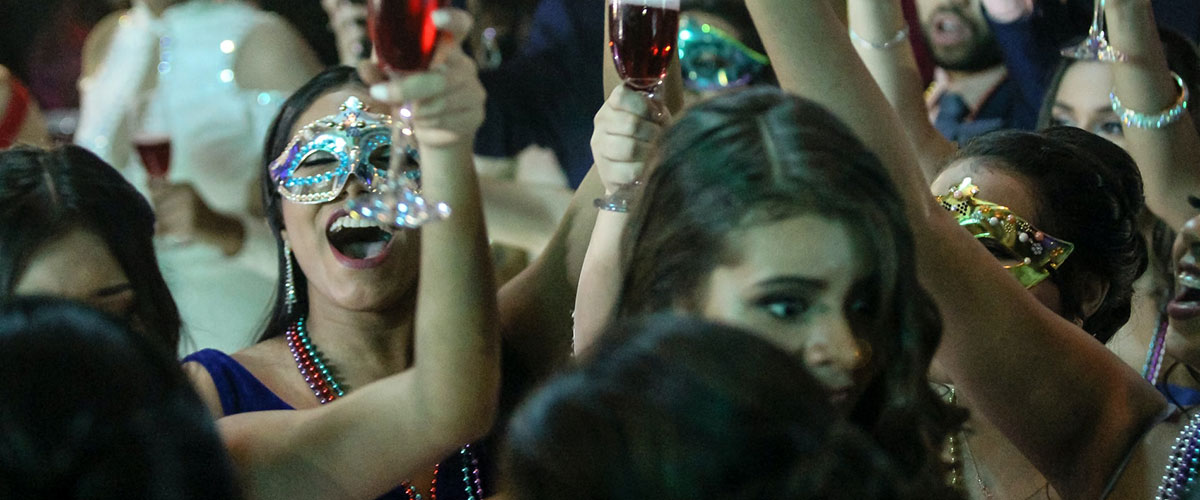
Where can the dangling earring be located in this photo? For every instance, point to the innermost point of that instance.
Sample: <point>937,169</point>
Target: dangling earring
<point>289,283</point>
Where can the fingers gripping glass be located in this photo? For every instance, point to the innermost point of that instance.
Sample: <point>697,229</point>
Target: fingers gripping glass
<point>714,60</point>
<point>643,36</point>
<point>405,38</point>
<point>318,162</point>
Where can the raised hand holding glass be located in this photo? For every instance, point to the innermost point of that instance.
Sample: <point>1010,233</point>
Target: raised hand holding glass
<point>404,37</point>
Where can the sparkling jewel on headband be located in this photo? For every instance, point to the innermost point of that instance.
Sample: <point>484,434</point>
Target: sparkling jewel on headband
<point>322,383</point>
<point>1180,474</point>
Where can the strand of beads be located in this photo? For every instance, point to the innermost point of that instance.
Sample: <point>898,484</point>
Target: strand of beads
<point>1154,355</point>
<point>470,471</point>
<point>1180,474</point>
<point>323,385</point>
<point>314,370</point>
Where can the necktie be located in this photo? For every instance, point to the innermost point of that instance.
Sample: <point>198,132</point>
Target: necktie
<point>951,111</point>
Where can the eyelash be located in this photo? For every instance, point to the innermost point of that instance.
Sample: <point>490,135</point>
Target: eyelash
<point>776,305</point>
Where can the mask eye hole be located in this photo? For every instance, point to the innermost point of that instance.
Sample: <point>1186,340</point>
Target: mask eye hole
<point>380,156</point>
<point>317,162</point>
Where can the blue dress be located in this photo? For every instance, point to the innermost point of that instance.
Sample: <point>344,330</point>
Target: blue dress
<point>241,392</point>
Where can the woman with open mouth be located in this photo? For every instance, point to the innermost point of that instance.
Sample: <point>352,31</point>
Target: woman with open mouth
<point>350,307</point>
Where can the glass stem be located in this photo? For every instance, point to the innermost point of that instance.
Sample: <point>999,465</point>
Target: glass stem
<point>1097,19</point>
<point>403,139</point>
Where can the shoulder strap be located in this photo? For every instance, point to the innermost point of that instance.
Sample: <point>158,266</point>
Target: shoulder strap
<point>239,390</point>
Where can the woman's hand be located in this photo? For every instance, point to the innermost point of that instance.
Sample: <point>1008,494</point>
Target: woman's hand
<point>346,20</point>
<point>625,129</point>
<point>447,101</point>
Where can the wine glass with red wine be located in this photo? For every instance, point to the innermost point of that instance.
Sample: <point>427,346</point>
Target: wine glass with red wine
<point>150,133</point>
<point>404,38</point>
<point>643,36</point>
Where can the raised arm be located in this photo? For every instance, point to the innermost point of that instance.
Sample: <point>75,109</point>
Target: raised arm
<point>1033,374</point>
<point>536,306</point>
<point>1167,156</point>
<point>366,443</point>
<point>625,130</point>
<point>880,35</point>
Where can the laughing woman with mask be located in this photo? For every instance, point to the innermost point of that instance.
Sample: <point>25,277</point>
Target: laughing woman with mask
<point>412,311</point>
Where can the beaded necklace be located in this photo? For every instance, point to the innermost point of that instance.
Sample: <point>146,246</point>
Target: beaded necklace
<point>1154,355</point>
<point>1180,473</point>
<point>323,385</point>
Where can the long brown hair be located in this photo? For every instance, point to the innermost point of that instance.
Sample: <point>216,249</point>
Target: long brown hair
<point>762,155</point>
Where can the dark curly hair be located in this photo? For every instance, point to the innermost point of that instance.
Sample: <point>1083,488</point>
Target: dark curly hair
<point>671,408</point>
<point>44,194</point>
<point>762,155</point>
<point>92,410</point>
<point>1089,192</point>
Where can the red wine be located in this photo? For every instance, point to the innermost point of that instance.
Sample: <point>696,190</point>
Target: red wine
<point>643,35</point>
<point>403,33</point>
<point>156,154</point>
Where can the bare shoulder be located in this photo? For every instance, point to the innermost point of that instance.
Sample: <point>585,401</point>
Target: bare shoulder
<point>275,57</point>
<point>98,40</point>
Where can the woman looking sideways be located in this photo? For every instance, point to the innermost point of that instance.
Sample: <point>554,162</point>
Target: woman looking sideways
<point>762,211</point>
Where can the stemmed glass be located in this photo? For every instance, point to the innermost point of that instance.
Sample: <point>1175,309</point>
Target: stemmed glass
<point>404,37</point>
<point>643,36</point>
<point>1095,47</point>
<point>150,134</point>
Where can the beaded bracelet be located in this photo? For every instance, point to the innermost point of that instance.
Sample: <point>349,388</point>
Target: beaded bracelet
<point>1131,118</point>
<point>901,36</point>
<point>612,204</point>
<point>619,200</point>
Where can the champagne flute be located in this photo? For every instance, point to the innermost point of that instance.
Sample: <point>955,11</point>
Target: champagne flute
<point>150,133</point>
<point>1095,47</point>
<point>643,36</point>
<point>404,37</point>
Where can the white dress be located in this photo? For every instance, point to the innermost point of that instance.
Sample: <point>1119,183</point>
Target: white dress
<point>217,131</point>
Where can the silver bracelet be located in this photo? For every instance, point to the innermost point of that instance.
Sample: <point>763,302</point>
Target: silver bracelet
<point>901,36</point>
<point>620,200</point>
<point>1134,119</point>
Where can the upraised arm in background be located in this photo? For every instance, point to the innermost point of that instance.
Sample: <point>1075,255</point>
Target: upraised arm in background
<point>882,42</point>
<point>1032,373</point>
<point>1167,156</point>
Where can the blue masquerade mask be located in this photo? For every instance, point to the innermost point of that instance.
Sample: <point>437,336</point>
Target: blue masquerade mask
<point>317,163</point>
<point>714,60</point>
